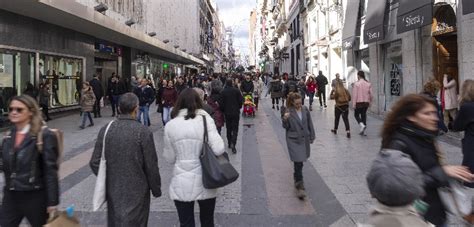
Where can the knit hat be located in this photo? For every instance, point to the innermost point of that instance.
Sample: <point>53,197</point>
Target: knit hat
<point>394,179</point>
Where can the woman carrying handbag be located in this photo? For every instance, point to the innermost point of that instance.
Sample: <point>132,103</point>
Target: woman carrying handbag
<point>183,148</point>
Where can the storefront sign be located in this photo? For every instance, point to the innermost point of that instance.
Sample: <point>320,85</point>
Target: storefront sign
<point>347,44</point>
<point>374,27</point>
<point>350,24</point>
<point>467,7</point>
<point>415,18</point>
<point>443,28</point>
<point>373,35</point>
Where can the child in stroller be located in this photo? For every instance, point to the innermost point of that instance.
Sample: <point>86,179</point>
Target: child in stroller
<point>249,106</point>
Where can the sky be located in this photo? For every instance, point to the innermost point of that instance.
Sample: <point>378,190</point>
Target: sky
<point>236,14</point>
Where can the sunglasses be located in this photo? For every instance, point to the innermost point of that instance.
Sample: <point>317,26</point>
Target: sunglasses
<point>15,109</point>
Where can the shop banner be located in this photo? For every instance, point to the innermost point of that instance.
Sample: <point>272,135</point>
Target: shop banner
<point>414,14</point>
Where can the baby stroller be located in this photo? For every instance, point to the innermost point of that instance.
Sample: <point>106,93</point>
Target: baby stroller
<point>249,106</point>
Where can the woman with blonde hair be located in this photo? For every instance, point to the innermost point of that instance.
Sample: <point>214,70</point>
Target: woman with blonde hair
<point>300,134</point>
<point>464,122</point>
<point>342,97</point>
<point>31,176</point>
<point>87,104</point>
<point>431,89</point>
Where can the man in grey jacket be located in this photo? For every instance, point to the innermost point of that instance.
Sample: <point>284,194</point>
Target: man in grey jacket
<point>132,166</point>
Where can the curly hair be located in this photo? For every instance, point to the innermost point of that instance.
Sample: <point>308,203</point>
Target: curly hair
<point>432,87</point>
<point>405,107</point>
<point>290,102</point>
<point>467,91</point>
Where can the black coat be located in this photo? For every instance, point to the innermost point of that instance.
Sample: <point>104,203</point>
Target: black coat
<point>420,145</point>
<point>24,158</point>
<point>145,96</point>
<point>247,86</point>
<point>97,88</point>
<point>230,101</point>
<point>465,122</point>
<point>322,81</point>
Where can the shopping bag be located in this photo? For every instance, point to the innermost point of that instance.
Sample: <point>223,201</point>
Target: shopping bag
<point>99,198</point>
<point>456,198</point>
<point>61,219</point>
<point>101,102</point>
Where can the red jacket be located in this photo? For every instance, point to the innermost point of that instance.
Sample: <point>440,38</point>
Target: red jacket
<point>311,87</point>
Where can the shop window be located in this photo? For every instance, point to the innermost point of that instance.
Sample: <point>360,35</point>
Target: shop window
<point>64,77</point>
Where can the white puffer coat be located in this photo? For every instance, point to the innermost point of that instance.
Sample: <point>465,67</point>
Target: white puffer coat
<point>183,144</point>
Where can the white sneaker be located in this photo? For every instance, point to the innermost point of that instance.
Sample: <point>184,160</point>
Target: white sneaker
<point>362,128</point>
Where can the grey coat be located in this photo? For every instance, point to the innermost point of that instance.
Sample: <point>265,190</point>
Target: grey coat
<point>132,171</point>
<point>299,134</point>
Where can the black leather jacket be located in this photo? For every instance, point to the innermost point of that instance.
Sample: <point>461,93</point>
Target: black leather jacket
<point>26,169</point>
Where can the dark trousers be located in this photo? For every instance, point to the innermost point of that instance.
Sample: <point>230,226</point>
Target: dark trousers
<point>97,107</point>
<point>322,97</point>
<point>45,110</point>
<point>360,114</point>
<point>255,100</point>
<point>186,212</point>
<point>114,102</point>
<point>232,126</point>
<point>298,174</point>
<point>344,111</point>
<point>17,205</point>
<point>275,100</point>
<point>311,98</point>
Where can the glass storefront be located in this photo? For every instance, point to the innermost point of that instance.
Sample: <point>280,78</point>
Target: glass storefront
<point>17,70</point>
<point>64,76</point>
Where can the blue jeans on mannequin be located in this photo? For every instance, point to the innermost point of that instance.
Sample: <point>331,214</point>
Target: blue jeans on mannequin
<point>144,110</point>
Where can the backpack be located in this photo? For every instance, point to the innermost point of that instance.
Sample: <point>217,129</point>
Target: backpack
<point>276,86</point>
<point>292,87</point>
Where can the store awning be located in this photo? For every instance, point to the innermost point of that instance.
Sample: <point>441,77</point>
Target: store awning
<point>83,19</point>
<point>414,14</point>
<point>374,23</point>
<point>467,7</point>
<point>350,24</point>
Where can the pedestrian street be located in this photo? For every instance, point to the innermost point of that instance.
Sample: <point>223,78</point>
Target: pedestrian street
<point>264,193</point>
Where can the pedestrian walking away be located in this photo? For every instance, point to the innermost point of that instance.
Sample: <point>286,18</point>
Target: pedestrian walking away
<point>302,90</point>
<point>311,88</point>
<point>44,95</point>
<point>98,92</point>
<point>87,104</point>
<point>183,149</point>
<point>132,166</point>
<point>231,102</point>
<point>258,85</point>
<point>168,99</point>
<point>361,99</point>
<point>275,89</point>
<point>31,188</point>
<point>322,81</point>
<point>394,208</point>
<point>342,97</point>
<point>412,127</point>
<point>431,89</point>
<point>146,96</point>
<point>299,135</point>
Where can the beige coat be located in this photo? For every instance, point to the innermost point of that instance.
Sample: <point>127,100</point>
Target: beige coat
<point>384,216</point>
<point>87,100</point>
<point>450,94</point>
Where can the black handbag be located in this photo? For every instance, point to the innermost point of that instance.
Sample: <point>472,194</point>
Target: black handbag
<point>217,171</point>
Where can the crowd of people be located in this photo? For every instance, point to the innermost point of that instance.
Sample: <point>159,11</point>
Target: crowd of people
<point>410,162</point>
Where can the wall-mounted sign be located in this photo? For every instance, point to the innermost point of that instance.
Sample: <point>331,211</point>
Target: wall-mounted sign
<point>414,14</point>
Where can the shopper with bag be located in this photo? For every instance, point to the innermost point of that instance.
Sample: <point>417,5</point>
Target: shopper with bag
<point>131,167</point>
<point>412,127</point>
<point>30,168</point>
<point>183,149</point>
<point>300,134</point>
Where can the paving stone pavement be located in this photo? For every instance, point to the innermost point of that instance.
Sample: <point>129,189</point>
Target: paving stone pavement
<point>335,173</point>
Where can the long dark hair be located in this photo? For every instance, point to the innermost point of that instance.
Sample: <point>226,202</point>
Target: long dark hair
<point>361,74</point>
<point>188,99</point>
<point>403,108</point>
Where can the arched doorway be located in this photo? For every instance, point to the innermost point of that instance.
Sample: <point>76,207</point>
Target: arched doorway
<point>445,46</point>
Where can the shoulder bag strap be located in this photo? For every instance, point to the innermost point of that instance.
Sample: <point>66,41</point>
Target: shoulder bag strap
<point>102,157</point>
<point>205,139</point>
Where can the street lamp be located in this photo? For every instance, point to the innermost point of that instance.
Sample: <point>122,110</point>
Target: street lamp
<point>130,22</point>
<point>101,8</point>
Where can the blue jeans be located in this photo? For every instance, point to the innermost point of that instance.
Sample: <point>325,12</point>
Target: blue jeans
<point>166,114</point>
<point>115,100</point>
<point>86,115</point>
<point>146,117</point>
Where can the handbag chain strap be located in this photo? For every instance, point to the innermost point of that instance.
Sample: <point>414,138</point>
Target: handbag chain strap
<point>103,140</point>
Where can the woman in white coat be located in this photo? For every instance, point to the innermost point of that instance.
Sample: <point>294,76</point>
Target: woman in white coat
<point>450,98</point>
<point>183,138</point>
